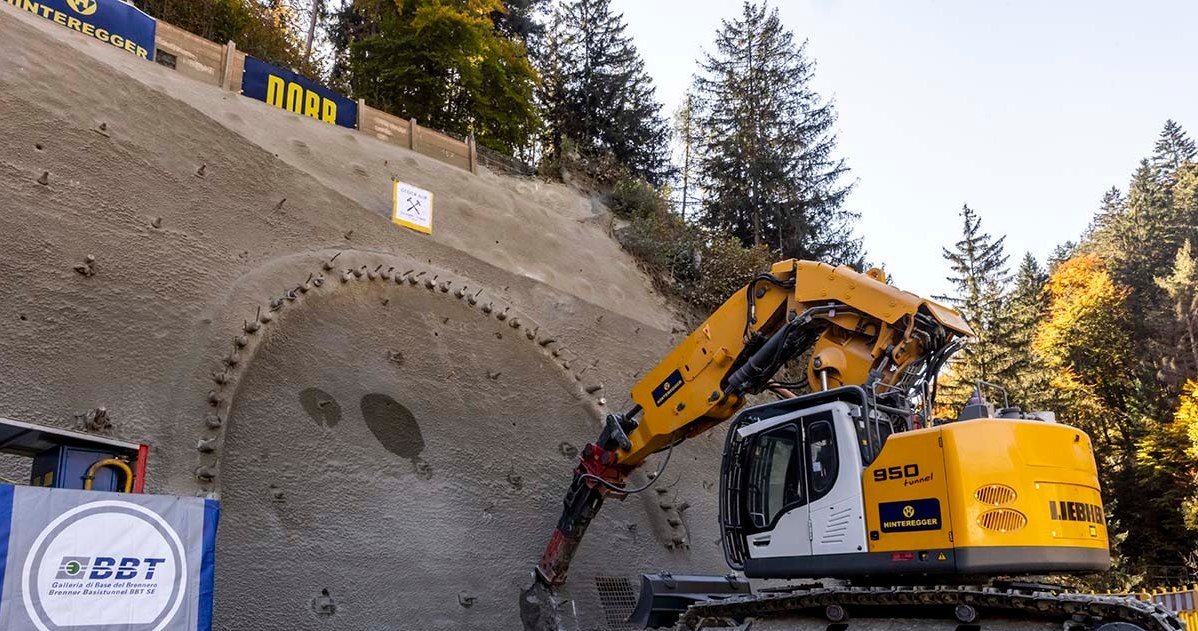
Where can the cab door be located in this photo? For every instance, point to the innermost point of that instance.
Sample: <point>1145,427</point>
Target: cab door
<point>833,468</point>
<point>775,494</point>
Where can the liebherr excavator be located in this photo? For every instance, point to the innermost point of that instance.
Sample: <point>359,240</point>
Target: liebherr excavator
<point>854,479</point>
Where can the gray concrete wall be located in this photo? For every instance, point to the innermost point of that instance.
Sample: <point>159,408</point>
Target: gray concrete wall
<point>403,448</point>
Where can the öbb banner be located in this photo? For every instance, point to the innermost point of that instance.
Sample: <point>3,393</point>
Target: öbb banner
<point>110,21</point>
<point>92,561</point>
<point>289,91</point>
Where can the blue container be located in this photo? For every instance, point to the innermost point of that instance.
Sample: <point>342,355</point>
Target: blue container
<point>64,468</point>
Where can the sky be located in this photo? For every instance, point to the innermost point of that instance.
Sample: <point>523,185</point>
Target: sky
<point>1027,111</point>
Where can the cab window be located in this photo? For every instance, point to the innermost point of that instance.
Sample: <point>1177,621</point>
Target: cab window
<point>822,461</point>
<point>873,437</point>
<point>774,481</point>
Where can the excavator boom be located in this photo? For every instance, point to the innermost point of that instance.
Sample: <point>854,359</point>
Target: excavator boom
<point>857,328</point>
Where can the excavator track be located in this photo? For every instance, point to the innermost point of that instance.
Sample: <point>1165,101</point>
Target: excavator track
<point>948,607</point>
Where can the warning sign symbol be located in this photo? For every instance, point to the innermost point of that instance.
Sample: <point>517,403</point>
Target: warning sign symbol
<point>941,557</point>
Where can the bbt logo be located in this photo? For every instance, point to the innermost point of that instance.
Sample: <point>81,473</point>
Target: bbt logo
<point>83,7</point>
<point>121,563</point>
<point>107,568</point>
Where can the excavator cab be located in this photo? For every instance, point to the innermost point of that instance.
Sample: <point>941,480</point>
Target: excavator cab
<point>791,485</point>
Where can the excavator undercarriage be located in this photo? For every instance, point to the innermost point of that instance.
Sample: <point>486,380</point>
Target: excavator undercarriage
<point>1022,606</point>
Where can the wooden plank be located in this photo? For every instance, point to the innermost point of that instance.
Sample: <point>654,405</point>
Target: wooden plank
<point>445,144</point>
<point>237,71</point>
<point>195,56</point>
<point>444,148</point>
<point>396,131</point>
<point>472,154</point>
<point>227,67</point>
<point>383,126</point>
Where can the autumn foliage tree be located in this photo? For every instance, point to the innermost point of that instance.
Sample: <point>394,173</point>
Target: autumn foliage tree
<point>1098,384</point>
<point>442,62</point>
<point>267,30</point>
<point>1084,341</point>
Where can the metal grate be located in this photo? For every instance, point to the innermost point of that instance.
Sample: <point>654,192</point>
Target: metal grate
<point>995,494</point>
<point>618,599</point>
<point>166,59</point>
<point>1002,520</point>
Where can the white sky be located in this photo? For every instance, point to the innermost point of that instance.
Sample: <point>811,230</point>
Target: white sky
<point>1027,110</point>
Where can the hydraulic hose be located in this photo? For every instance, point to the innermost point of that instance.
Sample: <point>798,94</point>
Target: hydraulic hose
<point>110,462</point>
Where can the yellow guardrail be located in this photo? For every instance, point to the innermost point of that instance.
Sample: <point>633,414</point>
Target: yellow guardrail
<point>1182,601</point>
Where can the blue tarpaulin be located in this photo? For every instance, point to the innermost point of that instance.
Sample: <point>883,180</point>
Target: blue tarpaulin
<point>110,21</point>
<point>287,90</point>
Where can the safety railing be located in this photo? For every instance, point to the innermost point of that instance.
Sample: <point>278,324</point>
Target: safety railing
<point>1180,600</point>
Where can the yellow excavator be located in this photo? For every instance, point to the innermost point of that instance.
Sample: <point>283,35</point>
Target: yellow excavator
<point>854,479</point>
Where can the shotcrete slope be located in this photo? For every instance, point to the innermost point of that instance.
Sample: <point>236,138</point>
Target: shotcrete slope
<point>390,449</point>
<point>546,232</point>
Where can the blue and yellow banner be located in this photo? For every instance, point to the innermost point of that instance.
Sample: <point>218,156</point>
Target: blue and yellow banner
<point>110,21</point>
<point>289,91</point>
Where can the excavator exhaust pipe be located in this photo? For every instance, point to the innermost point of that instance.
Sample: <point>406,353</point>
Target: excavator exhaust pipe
<point>665,597</point>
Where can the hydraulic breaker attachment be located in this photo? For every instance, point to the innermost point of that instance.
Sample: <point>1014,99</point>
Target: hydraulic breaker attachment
<point>582,503</point>
<point>597,476</point>
<point>665,597</point>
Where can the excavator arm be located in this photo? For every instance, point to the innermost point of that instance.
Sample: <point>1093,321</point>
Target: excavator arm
<point>854,329</point>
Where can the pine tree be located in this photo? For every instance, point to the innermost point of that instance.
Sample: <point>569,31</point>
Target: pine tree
<point>1182,288</point>
<point>1111,208</point>
<point>606,95</point>
<point>551,93</point>
<point>1138,235</point>
<point>518,19</point>
<point>1061,253</point>
<point>1027,305</point>
<point>979,279</point>
<point>1173,148</point>
<point>1185,193</point>
<point>768,166</point>
<point>686,130</point>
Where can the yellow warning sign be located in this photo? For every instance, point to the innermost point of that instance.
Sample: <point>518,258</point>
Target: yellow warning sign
<point>412,207</point>
<point>942,557</point>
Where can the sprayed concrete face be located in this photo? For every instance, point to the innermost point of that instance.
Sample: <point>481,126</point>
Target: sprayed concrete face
<point>365,453</point>
<point>388,446</point>
<point>399,451</point>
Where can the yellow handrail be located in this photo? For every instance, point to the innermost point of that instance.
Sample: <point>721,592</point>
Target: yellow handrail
<point>110,462</point>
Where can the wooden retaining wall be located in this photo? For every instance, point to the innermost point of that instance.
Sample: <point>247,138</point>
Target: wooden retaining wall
<point>224,66</point>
